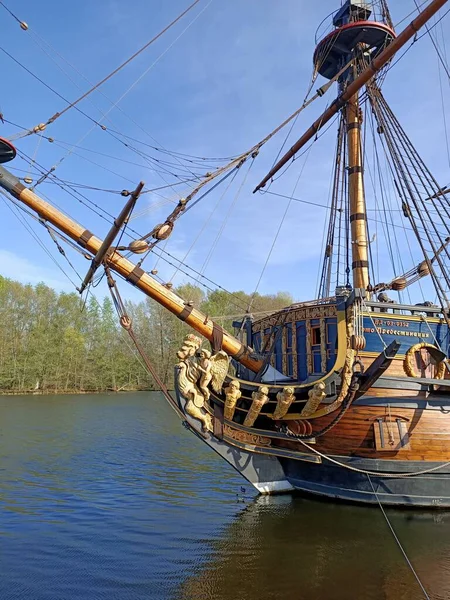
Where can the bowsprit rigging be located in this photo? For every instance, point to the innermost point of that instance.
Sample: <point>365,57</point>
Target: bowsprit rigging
<point>340,396</point>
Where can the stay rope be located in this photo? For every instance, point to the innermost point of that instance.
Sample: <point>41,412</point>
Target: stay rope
<point>127,325</point>
<point>121,66</point>
<point>374,473</point>
<point>398,541</point>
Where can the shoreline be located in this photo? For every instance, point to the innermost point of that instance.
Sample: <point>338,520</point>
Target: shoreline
<point>71,392</point>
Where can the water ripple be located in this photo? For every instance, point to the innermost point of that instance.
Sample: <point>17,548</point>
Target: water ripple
<point>107,496</point>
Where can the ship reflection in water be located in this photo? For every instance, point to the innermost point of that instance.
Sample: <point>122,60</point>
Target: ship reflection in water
<point>108,497</point>
<point>298,549</point>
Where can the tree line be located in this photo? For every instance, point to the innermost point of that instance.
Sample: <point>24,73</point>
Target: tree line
<point>54,342</point>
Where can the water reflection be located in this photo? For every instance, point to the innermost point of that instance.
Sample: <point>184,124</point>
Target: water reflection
<point>292,548</point>
<point>109,497</point>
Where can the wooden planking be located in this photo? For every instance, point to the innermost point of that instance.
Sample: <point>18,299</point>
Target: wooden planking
<point>354,434</point>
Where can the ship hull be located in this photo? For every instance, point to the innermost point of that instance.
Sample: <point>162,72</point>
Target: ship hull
<point>277,475</point>
<point>317,469</point>
<point>339,483</point>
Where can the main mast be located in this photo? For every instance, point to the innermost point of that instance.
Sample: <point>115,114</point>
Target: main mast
<point>375,43</point>
<point>353,40</point>
<point>353,12</point>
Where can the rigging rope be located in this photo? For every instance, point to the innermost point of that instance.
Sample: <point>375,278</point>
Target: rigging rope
<point>280,226</point>
<point>435,45</point>
<point>124,64</point>
<point>225,221</point>
<point>159,149</point>
<point>398,541</point>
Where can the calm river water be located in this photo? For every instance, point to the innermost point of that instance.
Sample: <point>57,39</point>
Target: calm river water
<point>105,497</point>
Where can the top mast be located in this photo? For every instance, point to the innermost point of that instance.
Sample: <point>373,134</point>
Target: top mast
<point>356,196</point>
<point>375,65</point>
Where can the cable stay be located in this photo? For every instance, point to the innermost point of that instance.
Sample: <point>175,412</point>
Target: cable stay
<point>163,231</point>
<point>363,78</point>
<point>117,69</point>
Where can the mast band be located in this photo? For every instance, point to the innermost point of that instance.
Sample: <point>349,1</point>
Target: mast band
<point>358,264</point>
<point>358,217</point>
<point>18,188</point>
<point>353,170</point>
<point>184,314</point>
<point>85,237</point>
<point>217,338</point>
<point>354,125</point>
<point>240,353</point>
<point>135,275</point>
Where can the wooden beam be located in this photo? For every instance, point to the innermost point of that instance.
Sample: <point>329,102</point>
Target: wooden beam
<point>378,367</point>
<point>110,236</point>
<point>133,274</point>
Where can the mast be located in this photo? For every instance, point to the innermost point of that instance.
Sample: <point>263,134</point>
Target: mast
<point>376,64</point>
<point>356,197</point>
<point>133,274</point>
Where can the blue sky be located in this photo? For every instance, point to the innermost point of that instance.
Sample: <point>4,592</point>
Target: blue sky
<point>224,82</point>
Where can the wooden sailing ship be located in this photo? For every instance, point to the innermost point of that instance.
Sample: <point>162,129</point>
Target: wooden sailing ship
<point>346,396</point>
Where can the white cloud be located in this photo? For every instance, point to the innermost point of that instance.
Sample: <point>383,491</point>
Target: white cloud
<point>18,268</point>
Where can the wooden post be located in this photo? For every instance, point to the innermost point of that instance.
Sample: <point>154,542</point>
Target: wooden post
<point>133,274</point>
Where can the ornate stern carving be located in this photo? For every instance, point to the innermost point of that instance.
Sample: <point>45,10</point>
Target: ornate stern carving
<point>285,399</point>
<point>195,375</point>
<point>232,395</point>
<point>316,395</point>
<point>260,398</point>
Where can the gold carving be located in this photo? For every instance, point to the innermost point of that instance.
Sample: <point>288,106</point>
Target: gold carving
<point>323,346</point>
<point>315,397</point>
<point>285,399</point>
<point>232,395</point>
<point>188,375</point>
<point>219,369</point>
<point>260,398</point>
<point>204,366</point>
<point>297,314</point>
<point>408,363</point>
<point>294,352</point>
<point>309,358</point>
<point>246,438</point>
<point>195,375</point>
<point>346,373</point>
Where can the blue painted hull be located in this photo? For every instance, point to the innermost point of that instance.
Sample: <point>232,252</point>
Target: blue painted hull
<point>336,482</point>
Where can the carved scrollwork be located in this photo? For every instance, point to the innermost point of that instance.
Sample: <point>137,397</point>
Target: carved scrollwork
<point>195,375</point>
<point>246,438</point>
